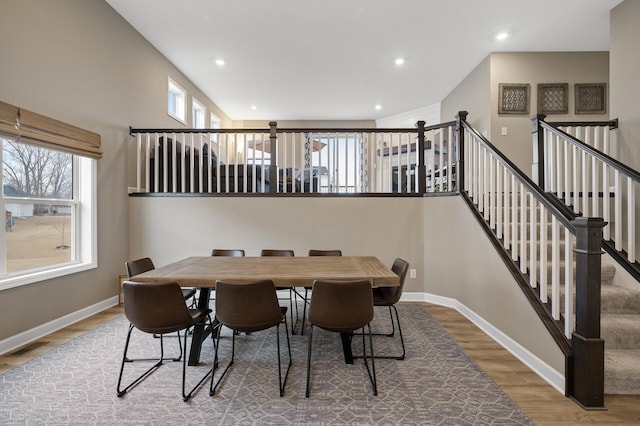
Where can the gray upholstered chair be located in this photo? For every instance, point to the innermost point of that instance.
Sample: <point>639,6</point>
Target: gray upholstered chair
<point>250,307</point>
<point>158,309</point>
<point>342,307</point>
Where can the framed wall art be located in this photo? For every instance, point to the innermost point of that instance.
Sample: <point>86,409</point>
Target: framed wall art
<point>553,98</point>
<point>591,98</point>
<point>513,98</point>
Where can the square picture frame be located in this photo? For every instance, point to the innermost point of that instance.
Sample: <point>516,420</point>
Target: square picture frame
<point>514,98</point>
<point>590,98</point>
<point>553,98</point>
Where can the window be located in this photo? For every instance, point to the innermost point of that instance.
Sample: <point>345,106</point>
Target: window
<point>177,101</point>
<point>215,121</point>
<point>43,203</point>
<point>48,197</point>
<point>199,115</point>
<point>214,124</point>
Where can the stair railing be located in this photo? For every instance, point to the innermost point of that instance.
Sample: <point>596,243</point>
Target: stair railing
<point>536,234</point>
<point>572,162</point>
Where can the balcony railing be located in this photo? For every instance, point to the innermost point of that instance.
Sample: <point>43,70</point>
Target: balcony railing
<point>297,161</point>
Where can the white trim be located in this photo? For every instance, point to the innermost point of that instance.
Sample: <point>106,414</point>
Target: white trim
<point>542,369</point>
<point>14,342</point>
<point>180,109</point>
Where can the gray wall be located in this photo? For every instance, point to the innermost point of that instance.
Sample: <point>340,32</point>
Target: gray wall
<point>625,87</point>
<point>473,95</point>
<point>478,94</point>
<point>80,62</point>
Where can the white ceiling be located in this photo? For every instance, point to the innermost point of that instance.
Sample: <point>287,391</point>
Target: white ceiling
<point>334,59</point>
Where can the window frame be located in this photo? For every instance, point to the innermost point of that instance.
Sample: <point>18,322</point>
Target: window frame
<point>180,103</point>
<point>84,220</point>
<point>196,105</point>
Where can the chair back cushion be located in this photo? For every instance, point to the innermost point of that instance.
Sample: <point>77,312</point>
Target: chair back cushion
<point>156,307</point>
<point>325,252</point>
<point>269,252</point>
<point>247,306</point>
<point>228,252</point>
<point>341,306</point>
<point>391,295</point>
<point>136,267</point>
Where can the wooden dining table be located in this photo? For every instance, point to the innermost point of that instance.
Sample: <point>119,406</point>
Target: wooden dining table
<point>203,272</point>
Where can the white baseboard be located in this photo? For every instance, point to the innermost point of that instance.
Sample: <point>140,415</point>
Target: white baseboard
<point>14,342</point>
<point>549,374</point>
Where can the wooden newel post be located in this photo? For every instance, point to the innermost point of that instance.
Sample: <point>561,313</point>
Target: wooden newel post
<point>460,117</point>
<point>422,168</point>
<point>274,179</point>
<point>537,168</point>
<point>586,373</point>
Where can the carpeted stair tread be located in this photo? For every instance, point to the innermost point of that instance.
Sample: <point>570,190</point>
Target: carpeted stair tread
<point>621,331</point>
<point>620,300</point>
<point>621,367</point>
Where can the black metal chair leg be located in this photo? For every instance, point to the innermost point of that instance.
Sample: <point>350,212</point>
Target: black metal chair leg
<point>401,357</point>
<point>309,343</point>
<point>393,328</point>
<point>213,387</point>
<point>286,332</point>
<point>371,372</point>
<point>187,396</point>
<point>155,366</point>
<point>304,310</point>
<point>397,320</point>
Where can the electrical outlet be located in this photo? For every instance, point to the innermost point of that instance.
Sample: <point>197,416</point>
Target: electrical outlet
<point>412,273</point>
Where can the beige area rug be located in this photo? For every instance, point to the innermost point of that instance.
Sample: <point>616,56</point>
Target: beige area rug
<point>437,383</point>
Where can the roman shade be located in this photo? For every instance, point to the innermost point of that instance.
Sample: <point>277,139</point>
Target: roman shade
<point>36,129</point>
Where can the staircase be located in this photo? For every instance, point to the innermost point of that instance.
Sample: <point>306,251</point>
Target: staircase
<point>620,329</point>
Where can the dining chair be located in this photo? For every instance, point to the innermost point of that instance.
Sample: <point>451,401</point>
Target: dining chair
<point>250,307</point>
<point>158,309</point>
<point>342,307</point>
<point>292,292</point>
<point>389,296</point>
<point>139,266</point>
<point>136,267</point>
<point>228,252</point>
<point>314,252</point>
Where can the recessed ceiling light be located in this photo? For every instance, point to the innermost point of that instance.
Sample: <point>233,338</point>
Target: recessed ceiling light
<point>253,107</point>
<point>502,36</point>
<point>399,61</point>
<point>378,107</point>
<point>219,62</point>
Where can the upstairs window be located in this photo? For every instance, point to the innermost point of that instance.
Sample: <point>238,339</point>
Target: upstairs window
<point>177,101</point>
<point>199,114</point>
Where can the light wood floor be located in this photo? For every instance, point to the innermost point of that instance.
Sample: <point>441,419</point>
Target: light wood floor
<point>542,403</point>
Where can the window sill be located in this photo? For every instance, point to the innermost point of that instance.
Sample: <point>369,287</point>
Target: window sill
<point>47,274</point>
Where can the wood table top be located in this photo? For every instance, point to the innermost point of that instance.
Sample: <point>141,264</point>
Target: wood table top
<point>284,271</point>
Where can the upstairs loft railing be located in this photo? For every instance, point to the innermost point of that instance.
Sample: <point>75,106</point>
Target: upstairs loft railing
<point>540,240</point>
<point>297,161</point>
<point>572,162</point>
